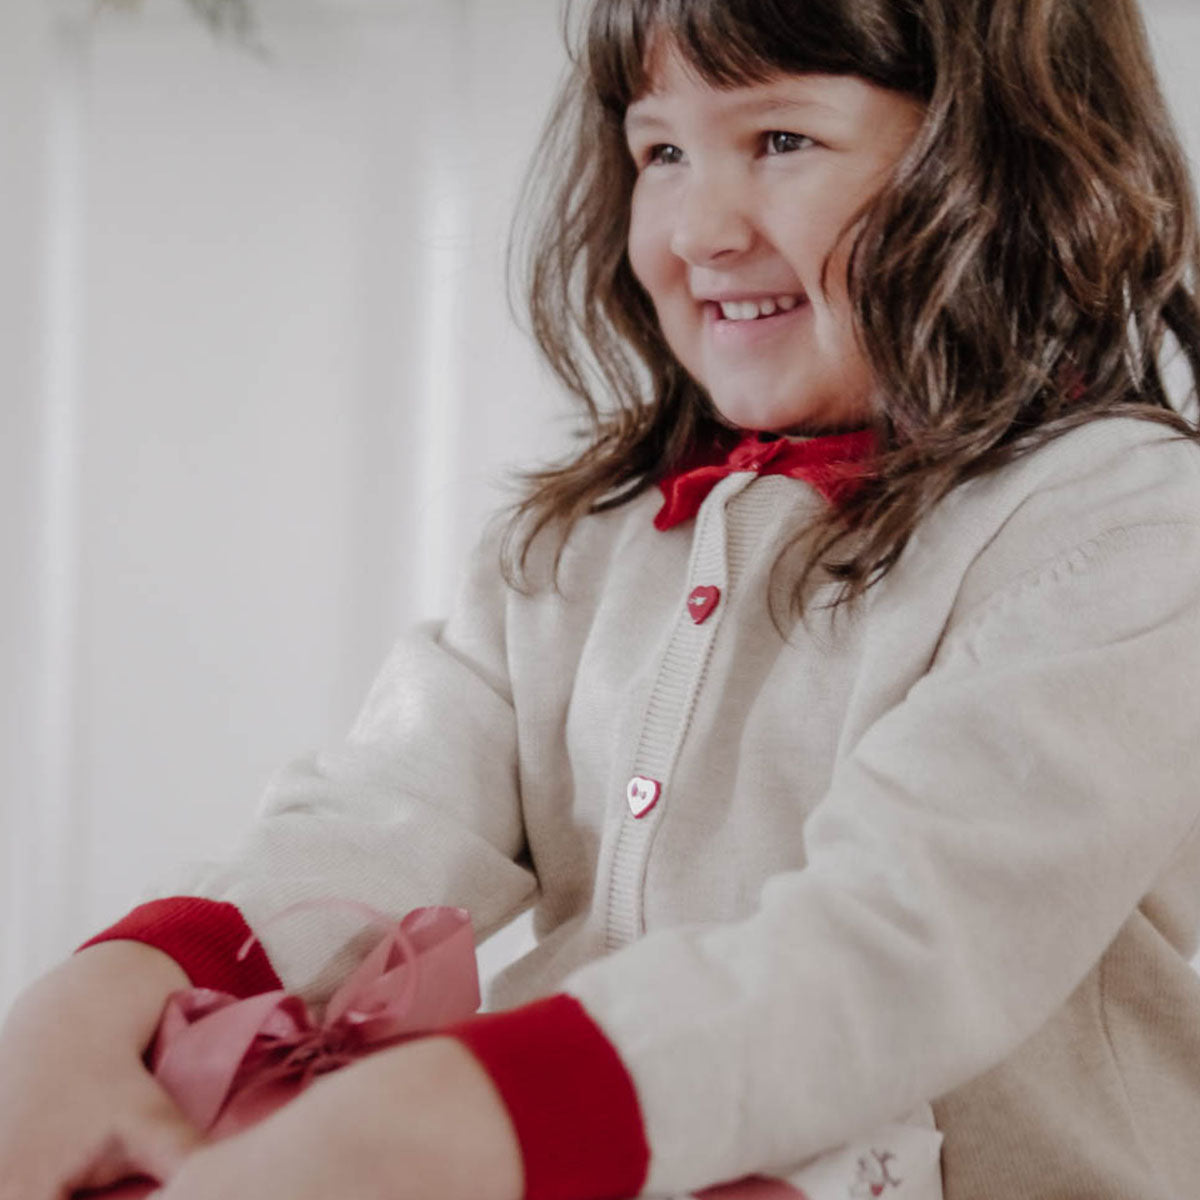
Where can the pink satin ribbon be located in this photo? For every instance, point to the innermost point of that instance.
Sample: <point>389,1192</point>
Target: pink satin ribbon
<point>228,1063</point>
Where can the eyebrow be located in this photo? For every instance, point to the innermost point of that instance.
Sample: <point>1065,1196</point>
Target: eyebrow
<point>637,118</point>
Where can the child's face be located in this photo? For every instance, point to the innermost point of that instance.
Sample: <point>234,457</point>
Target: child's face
<point>740,198</point>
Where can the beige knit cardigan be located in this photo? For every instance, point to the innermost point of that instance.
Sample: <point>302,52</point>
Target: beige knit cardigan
<point>940,848</point>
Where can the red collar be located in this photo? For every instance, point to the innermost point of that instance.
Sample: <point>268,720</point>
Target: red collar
<point>831,463</point>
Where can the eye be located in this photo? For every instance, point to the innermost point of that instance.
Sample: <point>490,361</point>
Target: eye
<point>664,155</point>
<point>779,141</point>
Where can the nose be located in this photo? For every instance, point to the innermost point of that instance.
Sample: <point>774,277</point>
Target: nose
<point>710,223</point>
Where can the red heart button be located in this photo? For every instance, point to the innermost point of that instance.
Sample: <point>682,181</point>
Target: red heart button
<point>701,602</point>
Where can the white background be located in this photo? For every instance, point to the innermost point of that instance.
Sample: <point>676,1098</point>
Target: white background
<point>260,387</point>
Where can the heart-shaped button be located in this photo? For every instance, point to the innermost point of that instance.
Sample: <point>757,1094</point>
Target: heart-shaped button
<point>701,601</point>
<point>642,794</point>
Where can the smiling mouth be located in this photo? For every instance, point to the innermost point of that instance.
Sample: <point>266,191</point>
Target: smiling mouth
<point>756,310</point>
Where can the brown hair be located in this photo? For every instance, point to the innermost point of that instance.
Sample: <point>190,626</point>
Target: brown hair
<point>1032,252</point>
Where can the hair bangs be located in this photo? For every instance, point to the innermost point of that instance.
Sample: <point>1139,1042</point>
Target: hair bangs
<point>734,43</point>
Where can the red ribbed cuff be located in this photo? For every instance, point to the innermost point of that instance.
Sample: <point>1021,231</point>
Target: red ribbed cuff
<point>570,1098</point>
<point>203,937</point>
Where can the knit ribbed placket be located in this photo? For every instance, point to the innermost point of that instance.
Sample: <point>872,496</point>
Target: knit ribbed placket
<point>668,714</point>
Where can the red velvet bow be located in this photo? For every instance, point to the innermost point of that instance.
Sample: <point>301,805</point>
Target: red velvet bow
<point>228,1063</point>
<point>833,464</point>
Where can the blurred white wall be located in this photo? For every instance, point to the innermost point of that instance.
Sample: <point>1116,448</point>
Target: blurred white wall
<point>260,387</point>
<point>279,394</point>
<point>25,414</point>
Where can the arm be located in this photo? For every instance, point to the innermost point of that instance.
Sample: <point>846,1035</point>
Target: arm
<point>77,1106</point>
<point>422,1122</point>
<point>976,853</point>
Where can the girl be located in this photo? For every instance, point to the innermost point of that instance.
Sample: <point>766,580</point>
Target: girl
<point>830,706</point>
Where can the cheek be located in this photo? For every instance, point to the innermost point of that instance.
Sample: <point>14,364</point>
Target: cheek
<point>649,244</point>
<point>810,233</point>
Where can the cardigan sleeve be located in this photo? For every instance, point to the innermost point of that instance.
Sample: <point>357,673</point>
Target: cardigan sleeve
<point>420,805</point>
<point>973,857</point>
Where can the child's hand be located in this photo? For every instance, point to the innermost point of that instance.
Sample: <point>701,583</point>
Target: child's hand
<point>77,1106</point>
<point>418,1122</point>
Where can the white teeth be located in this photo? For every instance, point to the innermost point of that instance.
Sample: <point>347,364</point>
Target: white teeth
<point>750,310</point>
<point>739,310</point>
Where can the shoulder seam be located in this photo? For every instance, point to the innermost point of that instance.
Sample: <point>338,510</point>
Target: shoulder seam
<point>1073,560</point>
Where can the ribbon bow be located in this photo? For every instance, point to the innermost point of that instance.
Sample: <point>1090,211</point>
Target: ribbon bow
<point>831,463</point>
<point>228,1062</point>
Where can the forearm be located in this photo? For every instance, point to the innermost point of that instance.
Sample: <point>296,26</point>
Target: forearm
<point>449,1132</point>
<point>421,1121</point>
<point>120,986</point>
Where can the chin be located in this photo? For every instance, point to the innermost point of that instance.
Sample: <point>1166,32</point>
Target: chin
<point>744,412</point>
<point>768,420</point>
<point>791,418</point>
